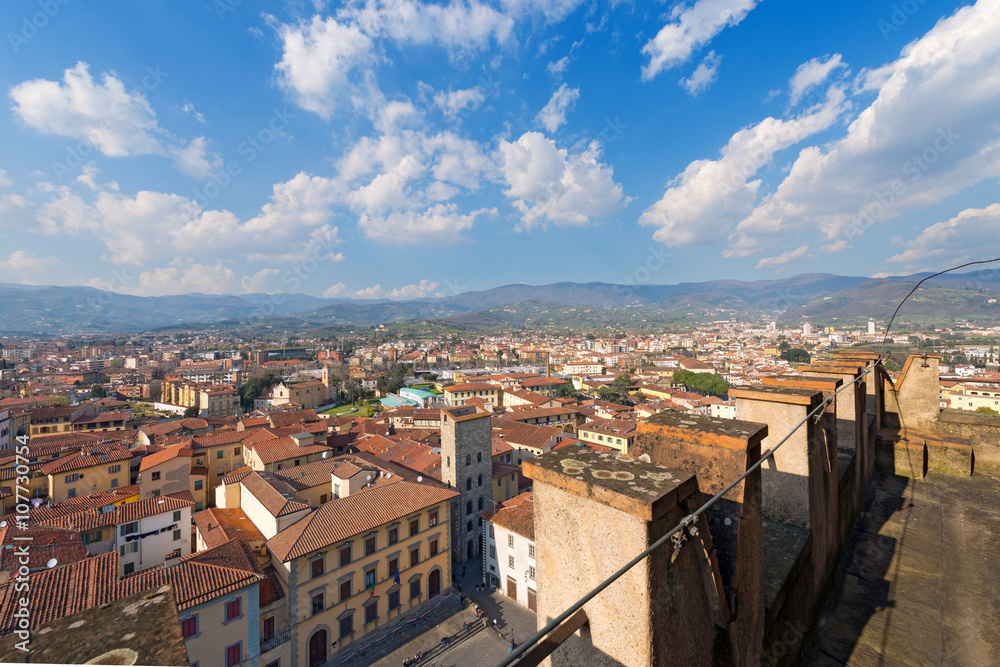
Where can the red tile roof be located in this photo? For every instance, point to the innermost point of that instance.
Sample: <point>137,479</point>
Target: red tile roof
<point>516,515</point>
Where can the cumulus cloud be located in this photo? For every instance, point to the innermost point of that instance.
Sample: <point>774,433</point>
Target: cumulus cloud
<point>961,239</point>
<point>704,75</point>
<point>441,224</point>
<point>783,258</point>
<point>425,288</point>
<point>811,74</point>
<point>117,122</point>
<point>558,68</point>
<point>325,62</point>
<point>930,133</point>
<point>549,184</point>
<point>710,195</point>
<point>455,102</point>
<point>688,29</point>
<point>25,267</point>
<point>553,114</point>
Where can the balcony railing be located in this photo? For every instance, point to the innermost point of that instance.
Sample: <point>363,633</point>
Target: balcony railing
<point>275,641</point>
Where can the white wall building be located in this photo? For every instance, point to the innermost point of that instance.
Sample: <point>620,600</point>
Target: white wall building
<point>509,557</point>
<point>150,531</point>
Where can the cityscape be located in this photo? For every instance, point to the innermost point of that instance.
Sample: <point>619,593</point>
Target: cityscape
<point>499,332</point>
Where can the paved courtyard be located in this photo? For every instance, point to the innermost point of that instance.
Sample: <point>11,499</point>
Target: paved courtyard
<point>473,647</point>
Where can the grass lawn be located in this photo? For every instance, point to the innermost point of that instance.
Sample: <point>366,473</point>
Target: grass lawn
<point>363,409</point>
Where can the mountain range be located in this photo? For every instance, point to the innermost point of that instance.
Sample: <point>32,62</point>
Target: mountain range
<point>53,310</point>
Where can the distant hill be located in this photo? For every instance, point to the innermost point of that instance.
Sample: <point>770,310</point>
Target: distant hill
<point>26,309</point>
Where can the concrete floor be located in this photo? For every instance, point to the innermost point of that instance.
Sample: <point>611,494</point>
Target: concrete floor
<point>921,579</point>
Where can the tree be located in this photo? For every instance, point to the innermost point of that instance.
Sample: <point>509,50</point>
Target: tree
<point>566,390</point>
<point>192,412</point>
<point>987,410</point>
<point>97,391</point>
<point>255,387</point>
<point>796,356</point>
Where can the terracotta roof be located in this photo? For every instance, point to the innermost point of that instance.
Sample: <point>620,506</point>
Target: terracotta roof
<point>418,456</point>
<point>224,438</point>
<point>276,495</point>
<point>270,589</point>
<point>501,469</point>
<point>472,386</point>
<point>357,513</point>
<point>235,476</point>
<point>318,472</point>
<point>80,504</point>
<point>516,515</point>
<point>196,579</point>
<point>94,518</point>
<point>168,454</point>
<point>87,457</point>
<point>283,449</point>
<point>221,524</point>
<point>534,436</point>
<point>45,543</point>
<point>296,417</point>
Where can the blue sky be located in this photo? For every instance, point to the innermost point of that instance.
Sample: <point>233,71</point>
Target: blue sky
<point>399,149</point>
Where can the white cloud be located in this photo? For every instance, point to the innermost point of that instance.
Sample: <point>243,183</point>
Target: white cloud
<point>549,184</point>
<point>558,67</point>
<point>964,238</point>
<point>688,29</point>
<point>704,75</point>
<point>811,74</point>
<point>930,133</point>
<point>551,10</point>
<point>710,195</point>
<point>783,258</point>
<point>453,103</point>
<point>441,224</point>
<point>116,122</point>
<point>27,267</point>
<point>425,288</point>
<point>5,181</point>
<point>325,62</point>
<point>189,109</point>
<point>194,159</point>
<point>553,114</point>
<point>457,25</point>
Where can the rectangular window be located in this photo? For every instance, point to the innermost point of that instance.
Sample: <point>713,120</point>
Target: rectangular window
<point>268,627</point>
<point>493,552</point>
<point>510,562</point>
<point>189,626</point>
<point>393,535</point>
<point>414,526</point>
<point>197,485</point>
<point>369,545</point>
<point>510,540</point>
<point>236,451</point>
<point>114,483</point>
<point>345,555</point>
<point>414,556</point>
<point>531,572</point>
<point>233,609</point>
<point>72,493</point>
<point>317,568</point>
<point>219,454</point>
<point>415,589</point>
<point>220,470</point>
<point>531,551</point>
<point>345,590</point>
<point>394,600</point>
<point>69,479</point>
<point>317,603</point>
<point>177,535</point>
<point>177,516</point>
<point>491,530</point>
<point>371,613</point>
<point>346,626</point>
<point>131,527</point>
<point>369,579</point>
<point>434,547</point>
<point>393,566</point>
<point>432,518</point>
<point>114,469</point>
<point>234,654</point>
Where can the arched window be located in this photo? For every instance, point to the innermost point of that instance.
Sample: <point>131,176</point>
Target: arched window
<point>468,507</point>
<point>480,480</point>
<point>479,457</point>
<point>468,459</point>
<point>468,484</point>
<point>480,502</point>
<point>447,461</point>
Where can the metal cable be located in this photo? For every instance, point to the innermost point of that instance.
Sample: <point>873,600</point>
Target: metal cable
<point>557,621</point>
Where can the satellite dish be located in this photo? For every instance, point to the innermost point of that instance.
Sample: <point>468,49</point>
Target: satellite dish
<point>36,502</point>
<point>3,524</point>
<point>52,563</point>
<point>388,475</point>
<point>419,478</point>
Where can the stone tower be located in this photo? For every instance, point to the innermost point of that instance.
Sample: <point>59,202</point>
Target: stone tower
<point>467,466</point>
